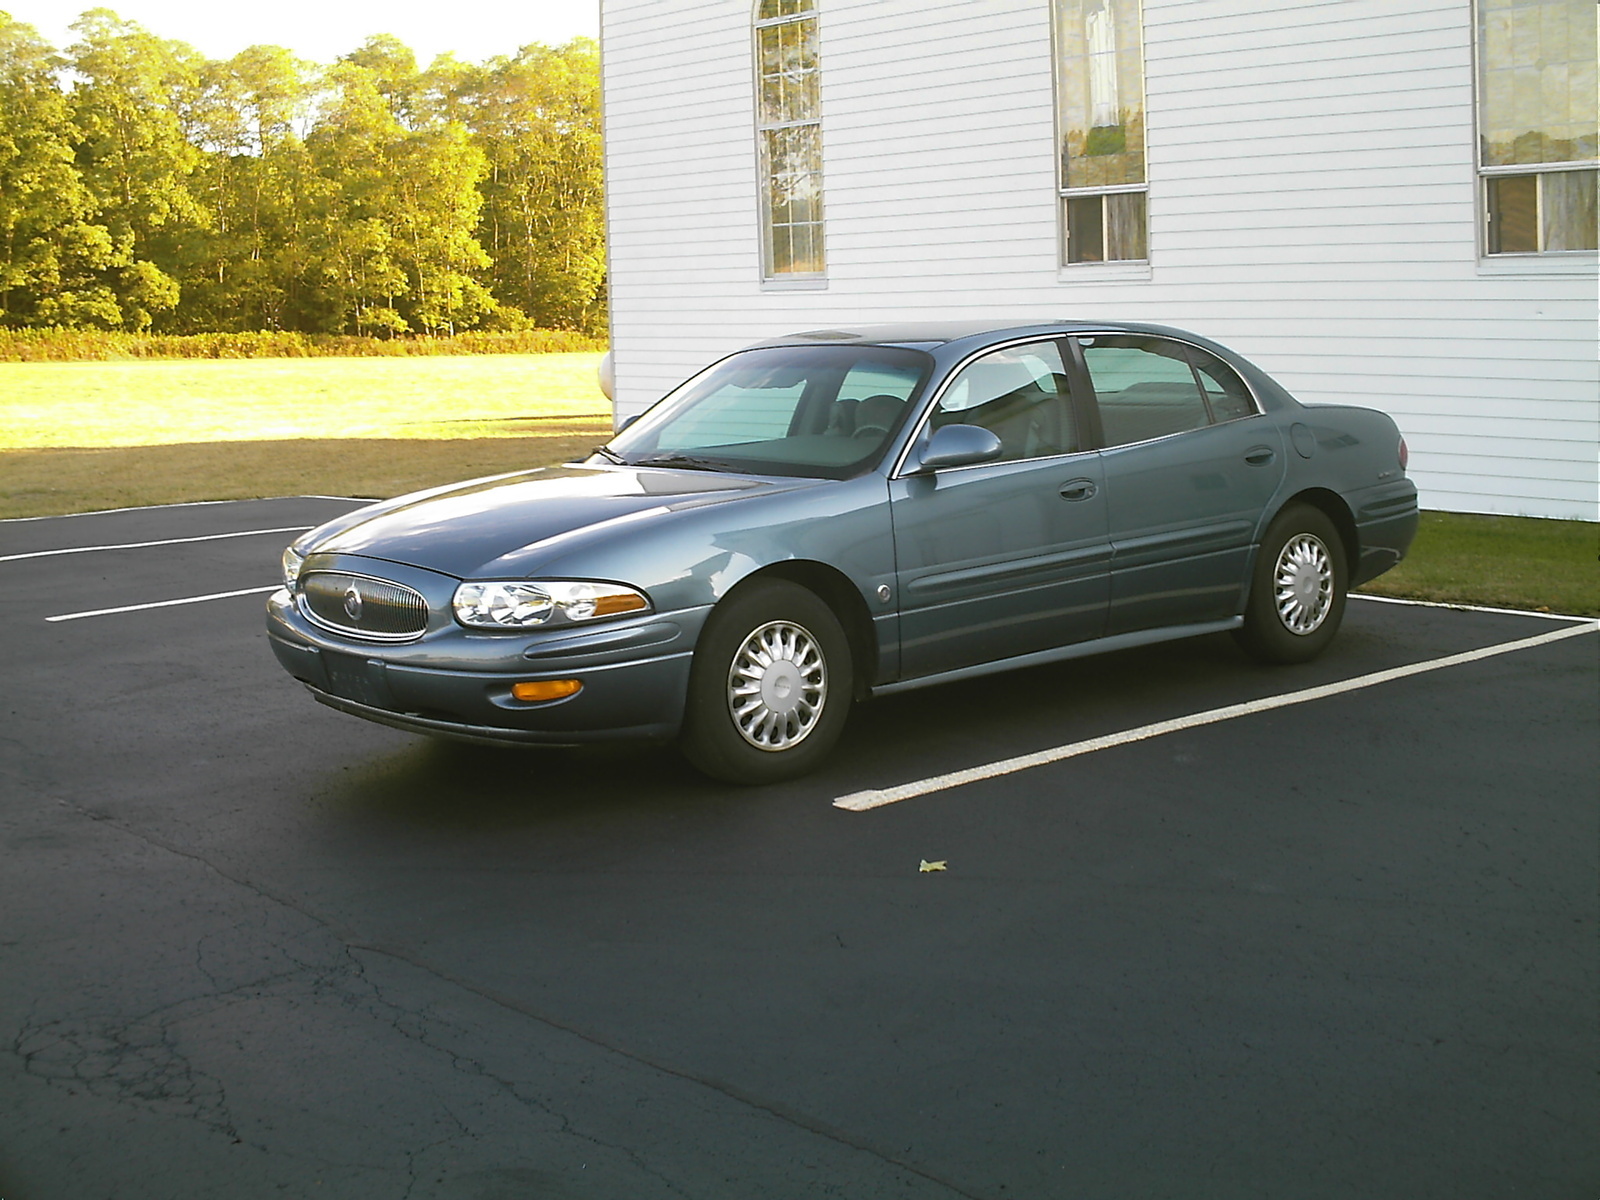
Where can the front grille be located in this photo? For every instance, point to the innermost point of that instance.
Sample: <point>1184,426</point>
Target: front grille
<point>362,606</point>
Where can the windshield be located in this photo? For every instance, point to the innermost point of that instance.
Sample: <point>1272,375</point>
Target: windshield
<point>825,411</point>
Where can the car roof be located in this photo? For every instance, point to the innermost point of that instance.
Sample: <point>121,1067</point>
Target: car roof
<point>950,341</point>
<point>938,333</point>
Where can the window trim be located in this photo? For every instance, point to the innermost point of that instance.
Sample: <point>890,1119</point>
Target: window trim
<point>772,279</point>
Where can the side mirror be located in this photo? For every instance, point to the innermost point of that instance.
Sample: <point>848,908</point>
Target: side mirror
<point>958,446</point>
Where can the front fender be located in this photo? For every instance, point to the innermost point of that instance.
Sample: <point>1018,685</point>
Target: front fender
<point>693,556</point>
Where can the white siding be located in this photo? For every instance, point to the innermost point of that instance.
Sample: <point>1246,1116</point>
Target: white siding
<point>1312,204</point>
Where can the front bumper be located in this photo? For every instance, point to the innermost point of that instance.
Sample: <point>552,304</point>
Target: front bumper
<point>457,683</point>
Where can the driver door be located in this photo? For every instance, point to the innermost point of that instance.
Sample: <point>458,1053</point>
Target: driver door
<point>1011,556</point>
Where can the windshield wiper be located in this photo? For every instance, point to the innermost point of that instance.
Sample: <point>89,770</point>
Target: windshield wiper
<point>609,453</point>
<point>687,461</point>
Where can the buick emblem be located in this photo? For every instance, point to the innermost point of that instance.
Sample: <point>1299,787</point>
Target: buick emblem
<point>352,603</point>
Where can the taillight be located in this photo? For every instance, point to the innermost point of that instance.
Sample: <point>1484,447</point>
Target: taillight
<point>1405,455</point>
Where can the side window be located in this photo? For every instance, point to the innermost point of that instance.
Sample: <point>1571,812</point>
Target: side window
<point>1225,391</point>
<point>1144,386</point>
<point>1021,395</point>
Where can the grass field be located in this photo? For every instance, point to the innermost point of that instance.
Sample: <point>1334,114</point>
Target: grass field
<point>75,437</point>
<point>155,402</point>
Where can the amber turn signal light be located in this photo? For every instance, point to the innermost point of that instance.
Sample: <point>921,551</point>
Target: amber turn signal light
<point>545,689</point>
<point>619,602</point>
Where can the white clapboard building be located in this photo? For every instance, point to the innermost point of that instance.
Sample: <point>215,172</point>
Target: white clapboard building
<point>1385,202</point>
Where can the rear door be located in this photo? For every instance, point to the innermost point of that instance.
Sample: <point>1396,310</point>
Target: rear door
<point>1189,467</point>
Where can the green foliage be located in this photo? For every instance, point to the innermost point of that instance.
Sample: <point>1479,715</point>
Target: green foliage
<point>538,117</point>
<point>53,258</point>
<point>144,188</point>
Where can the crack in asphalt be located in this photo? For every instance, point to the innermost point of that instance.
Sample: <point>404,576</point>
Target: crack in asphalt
<point>122,1065</point>
<point>510,1087</point>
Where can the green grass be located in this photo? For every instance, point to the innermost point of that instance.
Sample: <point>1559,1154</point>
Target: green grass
<point>167,402</point>
<point>75,437</point>
<point>36,483</point>
<point>1502,562</point>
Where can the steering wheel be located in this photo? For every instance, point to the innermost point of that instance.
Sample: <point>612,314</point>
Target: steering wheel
<point>877,432</point>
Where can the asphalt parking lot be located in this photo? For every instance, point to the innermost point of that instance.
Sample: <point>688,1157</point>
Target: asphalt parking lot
<point>1340,947</point>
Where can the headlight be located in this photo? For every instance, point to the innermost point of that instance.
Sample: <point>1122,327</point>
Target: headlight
<point>500,605</point>
<point>292,562</point>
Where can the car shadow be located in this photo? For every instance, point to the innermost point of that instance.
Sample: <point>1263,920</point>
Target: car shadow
<point>444,785</point>
<point>440,785</point>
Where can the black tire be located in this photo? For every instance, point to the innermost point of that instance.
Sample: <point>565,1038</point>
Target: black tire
<point>1297,590</point>
<point>748,722</point>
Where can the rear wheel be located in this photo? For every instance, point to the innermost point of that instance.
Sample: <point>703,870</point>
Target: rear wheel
<point>1297,591</point>
<point>770,687</point>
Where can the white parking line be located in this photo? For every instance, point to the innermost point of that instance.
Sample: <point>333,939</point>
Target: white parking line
<point>1505,612</point>
<point>210,537</point>
<point>862,801</point>
<point>127,608</point>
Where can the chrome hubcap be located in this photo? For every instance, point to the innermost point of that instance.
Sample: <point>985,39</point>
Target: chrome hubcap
<point>1303,584</point>
<point>777,686</point>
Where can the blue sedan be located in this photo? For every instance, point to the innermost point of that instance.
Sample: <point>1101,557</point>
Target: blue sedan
<point>842,514</point>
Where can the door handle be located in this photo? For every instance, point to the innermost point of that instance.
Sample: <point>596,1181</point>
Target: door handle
<point>1078,489</point>
<point>1259,455</point>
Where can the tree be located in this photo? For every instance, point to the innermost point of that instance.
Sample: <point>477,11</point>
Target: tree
<point>250,179</point>
<point>135,107</point>
<point>143,186</point>
<point>56,264</point>
<point>538,117</point>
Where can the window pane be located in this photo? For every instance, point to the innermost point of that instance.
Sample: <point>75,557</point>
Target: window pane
<point>781,259</point>
<point>807,249</point>
<point>1225,391</point>
<point>1125,226</point>
<point>1085,229</point>
<point>1513,214</point>
<point>1021,395</point>
<point>783,8</point>
<point>1570,211</point>
<point>1537,95</point>
<point>1144,387</point>
<point>1100,85</point>
<point>821,411</point>
<point>732,415</point>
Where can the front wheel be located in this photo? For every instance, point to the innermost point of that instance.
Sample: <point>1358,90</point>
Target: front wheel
<point>1297,590</point>
<point>770,686</point>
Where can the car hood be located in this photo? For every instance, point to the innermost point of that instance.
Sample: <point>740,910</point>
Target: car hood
<point>462,529</point>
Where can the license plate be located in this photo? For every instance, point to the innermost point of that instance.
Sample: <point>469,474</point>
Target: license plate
<point>355,679</point>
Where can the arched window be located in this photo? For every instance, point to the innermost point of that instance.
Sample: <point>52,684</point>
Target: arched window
<point>1100,94</point>
<point>789,129</point>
